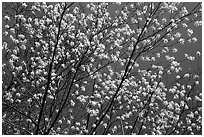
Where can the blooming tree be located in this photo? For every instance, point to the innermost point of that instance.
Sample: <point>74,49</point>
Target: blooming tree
<point>101,68</point>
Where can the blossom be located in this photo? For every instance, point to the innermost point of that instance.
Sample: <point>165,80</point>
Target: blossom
<point>24,4</point>
<point>23,47</point>
<point>197,82</point>
<point>198,53</point>
<point>189,32</point>
<point>186,75</point>
<point>164,20</point>
<point>184,25</point>
<point>181,41</point>
<point>94,103</point>
<point>197,23</point>
<point>191,58</point>
<point>7,26</point>
<point>60,121</point>
<point>194,39</point>
<point>175,63</point>
<point>174,50</point>
<point>72,103</point>
<point>6,17</point>
<point>83,88</point>
<point>165,41</point>
<point>18,94</point>
<point>177,35</point>
<point>154,66</point>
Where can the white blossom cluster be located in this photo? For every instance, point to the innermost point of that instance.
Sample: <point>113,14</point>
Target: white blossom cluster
<point>101,68</point>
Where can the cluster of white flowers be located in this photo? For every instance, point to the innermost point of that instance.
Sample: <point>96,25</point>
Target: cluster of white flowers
<point>104,66</point>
